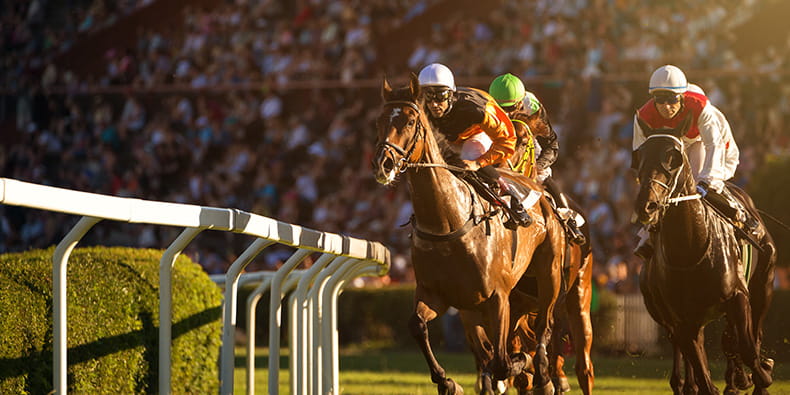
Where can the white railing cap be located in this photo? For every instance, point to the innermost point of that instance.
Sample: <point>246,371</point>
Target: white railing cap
<point>19,193</point>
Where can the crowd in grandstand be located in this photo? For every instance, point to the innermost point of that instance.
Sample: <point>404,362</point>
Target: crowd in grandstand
<point>281,153</point>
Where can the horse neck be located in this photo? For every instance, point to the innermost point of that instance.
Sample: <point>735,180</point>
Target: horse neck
<point>441,200</point>
<point>684,227</point>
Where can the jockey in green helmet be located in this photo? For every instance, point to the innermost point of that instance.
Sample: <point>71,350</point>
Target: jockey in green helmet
<point>524,107</point>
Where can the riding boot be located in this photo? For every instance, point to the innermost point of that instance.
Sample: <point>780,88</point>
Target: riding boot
<point>644,249</point>
<point>734,211</point>
<point>576,235</point>
<point>518,216</point>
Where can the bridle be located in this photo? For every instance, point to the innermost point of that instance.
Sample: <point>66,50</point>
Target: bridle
<point>671,188</point>
<point>405,154</point>
<point>404,163</point>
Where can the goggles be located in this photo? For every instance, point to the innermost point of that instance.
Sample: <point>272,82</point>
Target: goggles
<point>437,95</point>
<point>666,99</point>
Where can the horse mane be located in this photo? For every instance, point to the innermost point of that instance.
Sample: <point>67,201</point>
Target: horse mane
<point>450,155</point>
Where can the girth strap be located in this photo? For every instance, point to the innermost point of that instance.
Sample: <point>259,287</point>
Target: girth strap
<point>470,223</point>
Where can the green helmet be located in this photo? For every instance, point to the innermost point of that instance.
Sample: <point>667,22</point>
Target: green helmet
<point>507,90</point>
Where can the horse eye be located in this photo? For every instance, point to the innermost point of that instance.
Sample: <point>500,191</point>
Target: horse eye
<point>412,122</point>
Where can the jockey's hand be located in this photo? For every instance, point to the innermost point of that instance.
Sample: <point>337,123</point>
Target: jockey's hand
<point>702,188</point>
<point>472,165</point>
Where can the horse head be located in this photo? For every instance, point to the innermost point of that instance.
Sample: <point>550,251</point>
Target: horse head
<point>663,171</point>
<point>401,128</point>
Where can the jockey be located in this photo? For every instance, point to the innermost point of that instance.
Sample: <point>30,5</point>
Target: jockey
<point>522,106</point>
<point>708,144</point>
<point>470,118</point>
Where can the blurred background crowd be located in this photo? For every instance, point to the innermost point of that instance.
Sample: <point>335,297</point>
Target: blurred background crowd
<point>268,106</point>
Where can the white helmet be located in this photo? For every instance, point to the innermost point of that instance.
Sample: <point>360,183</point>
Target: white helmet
<point>696,89</point>
<point>668,78</point>
<point>437,74</point>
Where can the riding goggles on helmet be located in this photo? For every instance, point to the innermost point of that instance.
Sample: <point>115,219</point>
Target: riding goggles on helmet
<point>666,98</point>
<point>437,94</point>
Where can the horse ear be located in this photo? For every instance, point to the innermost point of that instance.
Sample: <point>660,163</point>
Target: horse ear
<point>414,86</point>
<point>386,89</point>
<point>647,130</point>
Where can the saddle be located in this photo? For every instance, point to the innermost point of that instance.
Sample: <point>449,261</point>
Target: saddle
<point>493,193</point>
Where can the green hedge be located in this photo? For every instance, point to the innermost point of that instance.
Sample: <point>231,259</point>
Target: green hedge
<point>113,323</point>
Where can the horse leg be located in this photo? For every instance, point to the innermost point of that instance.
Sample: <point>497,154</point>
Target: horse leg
<point>578,305</point>
<point>424,312</point>
<point>521,343</point>
<point>739,316</point>
<point>496,314</point>
<point>676,379</point>
<point>692,342</point>
<point>481,348</point>
<point>760,295</point>
<point>556,348</point>
<point>548,290</point>
<point>735,377</point>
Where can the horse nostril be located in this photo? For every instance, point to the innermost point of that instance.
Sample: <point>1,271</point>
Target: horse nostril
<point>387,164</point>
<point>652,206</point>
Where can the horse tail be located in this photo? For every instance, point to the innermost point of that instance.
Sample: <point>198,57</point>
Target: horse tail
<point>774,219</point>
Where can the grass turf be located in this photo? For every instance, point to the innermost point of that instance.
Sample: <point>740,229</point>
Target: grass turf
<point>384,371</point>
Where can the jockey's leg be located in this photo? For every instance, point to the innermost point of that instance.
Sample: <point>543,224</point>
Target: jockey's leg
<point>732,208</point>
<point>518,216</point>
<point>644,249</point>
<point>576,234</point>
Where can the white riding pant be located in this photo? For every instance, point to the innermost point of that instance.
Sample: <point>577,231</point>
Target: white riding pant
<point>475,146</point>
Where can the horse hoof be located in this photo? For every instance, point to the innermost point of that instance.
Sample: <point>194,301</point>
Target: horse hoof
<point>501,387</point>
<point>450,387</point>
<point>743,381</point>
<point>521,362</point>
<point>564,385</point>
<point>547,389</point>
<point>731,391</point>
<point>767,364</point>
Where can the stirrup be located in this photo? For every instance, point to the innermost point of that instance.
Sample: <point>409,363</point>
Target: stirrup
<point>576,235</point>
<point>518,216</point>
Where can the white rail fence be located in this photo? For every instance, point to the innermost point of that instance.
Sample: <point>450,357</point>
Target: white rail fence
<point>312,306</point>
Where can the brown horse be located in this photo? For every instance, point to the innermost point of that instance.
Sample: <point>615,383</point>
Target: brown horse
<point>572,317</point>
<point>462,255</point>
<point>695,274</point>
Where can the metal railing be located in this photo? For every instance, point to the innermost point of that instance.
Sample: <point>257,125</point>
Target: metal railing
<point>342,258</point>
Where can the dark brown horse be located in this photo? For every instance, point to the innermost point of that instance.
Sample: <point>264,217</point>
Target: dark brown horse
<point>695,274</point>
<point>572,317</point>
<point>462,256</point>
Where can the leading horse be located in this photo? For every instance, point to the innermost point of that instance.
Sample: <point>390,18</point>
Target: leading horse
<point>696,273</point>
<point>462,255</point>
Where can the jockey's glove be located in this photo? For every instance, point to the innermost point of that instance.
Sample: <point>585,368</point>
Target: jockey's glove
<point>702,188</point>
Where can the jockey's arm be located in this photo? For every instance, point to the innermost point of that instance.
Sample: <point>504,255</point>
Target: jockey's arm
<point>549,148</point>
<point>503,136</point>
<point>713,140</point>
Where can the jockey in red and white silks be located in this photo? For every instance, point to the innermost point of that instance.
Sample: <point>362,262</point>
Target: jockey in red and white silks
<point>708,144</point>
